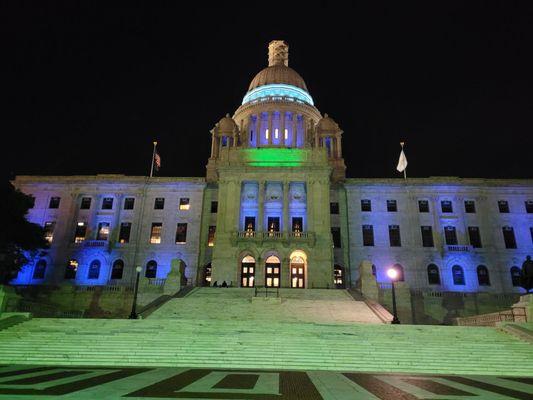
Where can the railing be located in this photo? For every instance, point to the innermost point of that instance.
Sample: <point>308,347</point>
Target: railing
<point>273,235</point>
<point>156,282</point>
<point>491,319</point>
<point>95,243</point>
<point>457,248</point>
<point>265,290</point>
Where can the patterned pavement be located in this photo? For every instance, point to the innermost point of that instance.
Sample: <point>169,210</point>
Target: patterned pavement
<point>25,382</point>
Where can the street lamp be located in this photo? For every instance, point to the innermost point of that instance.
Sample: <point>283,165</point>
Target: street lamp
<point>133,314</point>
<point>393,275</point>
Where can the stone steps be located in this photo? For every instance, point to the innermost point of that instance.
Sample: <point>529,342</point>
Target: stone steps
<point>266,345</point>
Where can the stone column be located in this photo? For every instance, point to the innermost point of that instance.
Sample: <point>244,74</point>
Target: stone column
<point>338,143</point>
<point>282,126</point>
<point>270,133</point>
<point>286,227</point>
<point>258,130</point>
<point>260,206</point>
<point>304,131</point>
<point>294,129</point>
<point>213,144</point>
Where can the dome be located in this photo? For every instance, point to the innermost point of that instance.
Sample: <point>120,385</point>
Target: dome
<point>278,74</point>
<point>327,124</point>
<point>226,124</point>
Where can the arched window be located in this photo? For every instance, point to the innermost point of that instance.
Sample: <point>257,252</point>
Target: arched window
<point>94,269</point>
<point>40,269</point>
<point>433,275</point>
<point>401,276</point>
<point>458,275</point>
<point>272,271</point>
<point>71,269</point>
<point>515,275</point>
<point>151,269</point>
<point>373,270</point>
<point>483,277</point>
<point>247,271</point>
<point>117,270</point>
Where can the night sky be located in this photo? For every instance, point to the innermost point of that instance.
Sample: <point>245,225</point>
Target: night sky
<point>89,87</point>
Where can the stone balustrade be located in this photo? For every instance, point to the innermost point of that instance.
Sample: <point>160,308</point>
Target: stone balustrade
<point>307,237</point>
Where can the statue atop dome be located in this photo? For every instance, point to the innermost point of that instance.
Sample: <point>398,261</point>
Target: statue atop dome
<point>278,53</point>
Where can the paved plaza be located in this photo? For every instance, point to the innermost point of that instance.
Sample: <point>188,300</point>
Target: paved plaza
<point>26,382</point>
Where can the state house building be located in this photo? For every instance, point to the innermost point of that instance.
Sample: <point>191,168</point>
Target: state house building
<point>276,209</point>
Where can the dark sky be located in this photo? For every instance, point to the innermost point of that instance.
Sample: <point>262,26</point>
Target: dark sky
<point>90,86</point>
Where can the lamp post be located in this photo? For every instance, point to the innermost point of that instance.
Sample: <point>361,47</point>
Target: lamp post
<point>133,314</point>
<point>393,275</point>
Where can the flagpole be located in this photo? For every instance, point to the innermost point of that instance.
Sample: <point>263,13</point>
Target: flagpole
<point>153,159</point>
<point>405,169</point>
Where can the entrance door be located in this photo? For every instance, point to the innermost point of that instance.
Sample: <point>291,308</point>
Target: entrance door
<point>248,271</point>
<point>297,273</point>
<point>272,272</point>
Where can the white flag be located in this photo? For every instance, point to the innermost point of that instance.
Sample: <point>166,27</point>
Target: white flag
<point>402,162</point>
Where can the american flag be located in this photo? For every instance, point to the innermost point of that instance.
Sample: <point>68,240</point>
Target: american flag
<point>157,161</point>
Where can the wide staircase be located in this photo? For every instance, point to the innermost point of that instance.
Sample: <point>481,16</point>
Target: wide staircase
<point>283,305</point>
<point>257,344</point>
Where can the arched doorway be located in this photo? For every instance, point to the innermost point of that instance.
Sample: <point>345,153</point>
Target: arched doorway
<point>338,276</point>
<point>272,271</point>
<point>247,271</point>
<point>297,269</point>
<point>206,281</point>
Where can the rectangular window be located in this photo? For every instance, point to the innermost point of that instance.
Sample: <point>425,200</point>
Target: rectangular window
<point>214,207</point>
<point>531,233</point>
<point>54,202</point>
<point>470,206</point>
<point>366,205</point>
<point>181,233</point>
<point>503,206</point>
<point>394,236</point>
<point>474,236</point>
<point>81,230</point>
<point>334,208</point>
<point>368,235</point>
<point>124,233</point>
<point>297,224</point>
<point>184,203</point>
<point>249,224</point>
<point>423,206</point>
<point>508,237</point>
<point>450,235</point>
<point>446,206</point>
<point>85,203</point>
<point>159,203</point>
<point>273,224</point>
<point>129,203</point>
<point>155,232</point>
<point>103,231</point>
<point>529,206</point>
<point>211,236</point>
<point>392,206</point>
<point>107,203</point>
<point>49,231</point>
<point>71,269</point>
<point>336,235</point>
<point>427,236</point>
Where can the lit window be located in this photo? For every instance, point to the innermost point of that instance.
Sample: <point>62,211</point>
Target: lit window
<point>184,203</point>
<point>286,134</point>
<point>155,233</point>
<point>276,133</point>
<point>266,134</point>
<point>49,231</point>
<point>211,236</point>
<point>81,230</point>
<point>71,269</point>
<point>103,231</point>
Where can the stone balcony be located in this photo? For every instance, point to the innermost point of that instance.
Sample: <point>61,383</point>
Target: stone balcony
<point>282,237</point>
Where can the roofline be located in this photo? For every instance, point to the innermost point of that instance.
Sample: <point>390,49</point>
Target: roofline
<point>104,178</point>
<point>440,180</point>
